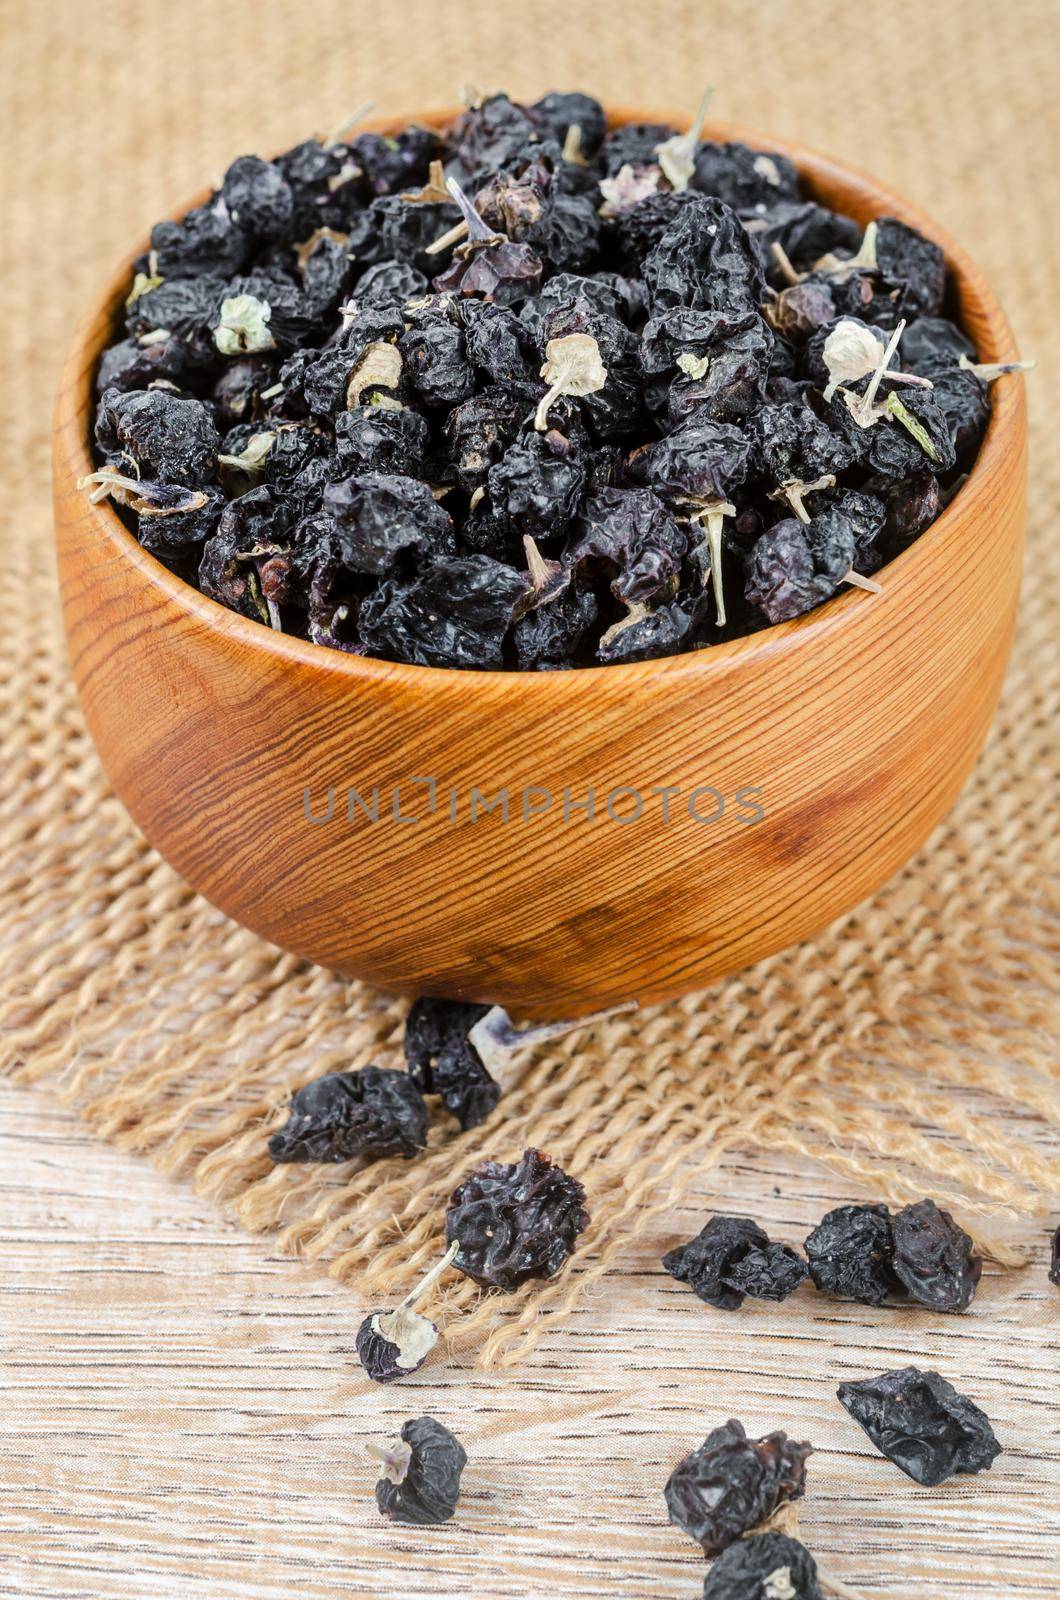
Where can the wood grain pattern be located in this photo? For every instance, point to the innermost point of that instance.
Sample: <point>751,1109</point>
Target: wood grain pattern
<point>858,725</point>
<point>183,1418</point>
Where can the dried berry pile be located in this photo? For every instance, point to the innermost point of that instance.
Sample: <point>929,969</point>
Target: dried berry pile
<point>919,1257</point>
<point>531,394</point>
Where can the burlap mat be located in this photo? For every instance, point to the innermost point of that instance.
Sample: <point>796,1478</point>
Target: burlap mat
<point>180,1034</point>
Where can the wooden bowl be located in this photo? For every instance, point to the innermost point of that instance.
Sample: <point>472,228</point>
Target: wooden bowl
<point>856,724</point>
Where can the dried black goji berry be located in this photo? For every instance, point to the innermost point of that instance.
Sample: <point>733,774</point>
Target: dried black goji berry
<point>732,1484</point>
<point>933,1258</point>
<point>768,1566</point>
<point>515,1221</point>
<point>851,1254</point>
<point>732,1257</point>
<point>919,1421</point>
<point>373,1111</point>
<point>420,1480</point>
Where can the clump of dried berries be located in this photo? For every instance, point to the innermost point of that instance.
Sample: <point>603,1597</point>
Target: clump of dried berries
<point>373,1111</point>
<point>376,366</point>
<point>768,1566</point>
<point>513,1221</point>
<point>733,1257</point>
<point>732,1484</point>
<point>919,1421</point>
<point>420,1476</point>
<point>864,1253</point>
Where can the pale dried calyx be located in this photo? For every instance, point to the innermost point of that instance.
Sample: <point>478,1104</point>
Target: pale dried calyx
<point>143,283</point>
<point>394,1458</point>
<point>434,191</point>
<point>792,490</point>
<point>693,366</point>
<point>573,366</point>
<point>136,495</point>
<point>304,250</point>
<point>778,1585</point>
<point>851,359</point>
<point>548,579</point>
<point>677,156</point>
<point>243,326</point>
<point>476,233</point>
<point>413,1336</point>
<point>710,515</point>
<point>572,147</point>
<point>636,611</point>
<point>627,188</point>
<point>494,1037</point>
<point>852,352</point>
<point>253,454</point>
<point>379,367</point>
<point>842,266</point>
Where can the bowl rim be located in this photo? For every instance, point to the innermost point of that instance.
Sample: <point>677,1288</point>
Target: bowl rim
<point>73,459</point>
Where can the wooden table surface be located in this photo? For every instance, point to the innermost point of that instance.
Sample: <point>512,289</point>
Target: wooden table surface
<point>183,1414</point>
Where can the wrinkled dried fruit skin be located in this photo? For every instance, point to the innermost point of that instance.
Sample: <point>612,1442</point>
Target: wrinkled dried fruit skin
<point>933,1258</point>
<point>704,259</point>
<point>431,1487</point>
<point>305,303</point>
<point>743,178</point>
<point>379,517</point>
<point>732,1257</point>
<point>735,347</point>
<point>769,1566</point>
<point>373,1111</point>
<point>906,257</point>
<point>919,1421</point>
<point>633,533</point>
<point>551,635</point>
<point>373,439</point>
<point>538,484</point>
<point>662,633</point>
<point>851,1253</point>
<point>442,1060</point>
<point>515,1221</point>
<point>167,438</point>
<point>795,565</point>
<point>770,1273</point>
<point>733,1484</point>
<point>455,615</point>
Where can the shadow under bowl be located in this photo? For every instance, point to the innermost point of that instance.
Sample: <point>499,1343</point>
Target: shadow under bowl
<point>855,725</point>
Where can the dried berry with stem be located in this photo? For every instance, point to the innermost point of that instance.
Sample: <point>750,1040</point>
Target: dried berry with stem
<point>920,1422</point>
<point>572,367</point>
<point>514,1221</point>
<point>468,1053</point>
<point>372,1111</point>
<point>420,1473</point>
<point>768,1566</point>
<point>732,1484</point>
<point>392,1344</point>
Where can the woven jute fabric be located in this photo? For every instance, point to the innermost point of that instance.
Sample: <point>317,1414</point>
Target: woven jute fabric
<point>180,1034</point>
